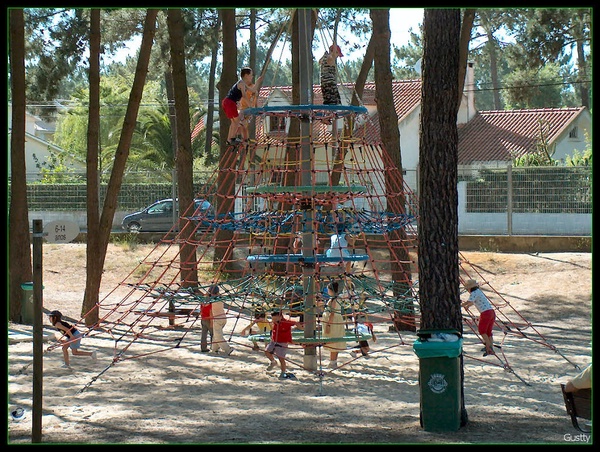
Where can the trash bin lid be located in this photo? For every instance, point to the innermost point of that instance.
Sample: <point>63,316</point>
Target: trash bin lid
<point>426,333</point>
<point>425,349</point>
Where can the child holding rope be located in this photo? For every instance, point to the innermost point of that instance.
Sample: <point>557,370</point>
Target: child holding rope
<point>230,104</point>
<point>263,325</point>
<point>71,338</point>
<point>362,327</point>
<point>281,337</point>
<point>328,65</point>
<point>487,314</point>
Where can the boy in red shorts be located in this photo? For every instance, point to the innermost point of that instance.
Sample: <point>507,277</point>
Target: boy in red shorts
<point>281,336</point>
<point>230,103</point>
<point>487,314</point>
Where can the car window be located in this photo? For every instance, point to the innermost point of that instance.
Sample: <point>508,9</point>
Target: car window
<point>161,207</point>
<point>201,204</point>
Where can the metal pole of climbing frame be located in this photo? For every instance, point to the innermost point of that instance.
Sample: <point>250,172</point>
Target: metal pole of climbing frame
<point>38,354</point>
<point>308,237</point>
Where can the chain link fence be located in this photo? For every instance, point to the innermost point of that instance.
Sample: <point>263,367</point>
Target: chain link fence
<point>525,201</point>
<point>511,200</point>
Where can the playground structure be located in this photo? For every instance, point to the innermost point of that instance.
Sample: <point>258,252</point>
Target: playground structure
<point>277,203</point>
<point>270,253</point>
<point>283,191</point>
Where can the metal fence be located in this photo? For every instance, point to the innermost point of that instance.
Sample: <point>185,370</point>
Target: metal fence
<point>511,200</point>
<point>525,201</point>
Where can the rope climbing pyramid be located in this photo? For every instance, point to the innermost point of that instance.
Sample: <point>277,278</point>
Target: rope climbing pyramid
<point>289,217</point>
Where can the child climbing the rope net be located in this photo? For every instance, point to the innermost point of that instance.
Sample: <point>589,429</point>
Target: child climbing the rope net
<point>328,65</point>
<point>338,247</point>
<point>362,327</point>
<point>262,327</point>
<point>281,337</point>
<point>487,314</point>
<point>231,102</point>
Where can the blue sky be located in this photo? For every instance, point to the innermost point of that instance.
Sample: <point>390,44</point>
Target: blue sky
<point>401,20</point>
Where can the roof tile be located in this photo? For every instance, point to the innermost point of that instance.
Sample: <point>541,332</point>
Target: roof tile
<point>501,135</point>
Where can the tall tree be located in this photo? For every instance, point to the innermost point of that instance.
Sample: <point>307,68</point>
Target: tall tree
<point>226,179</point>
<point>439,291</point>
<point>19,250</point>
<point>390,138</point>
<point>210,115</point>
<point>93,145</point>
<point>94,273</point>
<point>465,38</point>
<point>183,156</point>
<point>357,93</point>
<point>488,23</point>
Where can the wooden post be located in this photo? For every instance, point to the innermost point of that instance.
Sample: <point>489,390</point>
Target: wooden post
<point>38,358</point>
<point>309,239</point>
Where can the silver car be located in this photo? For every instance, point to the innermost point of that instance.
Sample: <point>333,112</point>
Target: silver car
<point>157,217</point>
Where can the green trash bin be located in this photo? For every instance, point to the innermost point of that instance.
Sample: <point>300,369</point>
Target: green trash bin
<point>439,379</point>
<point>27,304</point>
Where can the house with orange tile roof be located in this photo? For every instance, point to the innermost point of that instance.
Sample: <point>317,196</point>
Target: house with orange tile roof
<point>496,137</point>
<point>486,138</point>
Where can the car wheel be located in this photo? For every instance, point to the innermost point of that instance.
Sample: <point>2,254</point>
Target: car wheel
<point>134,227</point>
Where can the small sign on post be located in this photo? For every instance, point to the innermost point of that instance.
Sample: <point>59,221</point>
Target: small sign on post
<point>61,231</point>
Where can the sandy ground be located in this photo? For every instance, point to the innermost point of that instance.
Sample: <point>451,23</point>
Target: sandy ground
<point>184,396</point>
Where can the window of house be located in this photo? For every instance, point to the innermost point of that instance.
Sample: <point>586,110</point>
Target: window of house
<point>574,132</point>
<point>277,124</point>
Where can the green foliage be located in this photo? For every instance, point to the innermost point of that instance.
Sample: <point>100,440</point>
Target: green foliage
<point>556,189</point>
<point>512,47</point>
<point>528,49</point>
<point>533,88</point>
<point>128,241</point>
<point>55,170</point>
<point>580,159</point>
<point>537,158</point>
<point>407,58</point>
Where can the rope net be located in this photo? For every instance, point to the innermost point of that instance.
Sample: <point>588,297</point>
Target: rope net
<point>267,241</point>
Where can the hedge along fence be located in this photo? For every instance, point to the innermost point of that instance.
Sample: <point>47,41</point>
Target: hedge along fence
<point>66,197</point>
<point>531,190</point>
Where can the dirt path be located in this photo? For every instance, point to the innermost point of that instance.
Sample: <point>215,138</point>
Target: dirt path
<point>184,396</point>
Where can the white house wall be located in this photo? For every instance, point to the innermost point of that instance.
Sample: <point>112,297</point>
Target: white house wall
<point>567,146</point>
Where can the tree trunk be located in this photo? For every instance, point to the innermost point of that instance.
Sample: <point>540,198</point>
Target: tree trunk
<point>183,156</point>
<point>359,87</point>
<point>582,64</point>
<point>491,48</point>
<point>390,138</point>
<point>439,292</point>
<point>93,145</point>
<point>94,273</point>
<point>210,115</point>
<point>225,202</point>
<point>19,250</point>
<point>465,39</point>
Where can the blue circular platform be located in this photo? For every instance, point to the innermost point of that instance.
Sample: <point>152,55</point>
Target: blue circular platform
<point>319,258</point>
<point>298,338</point>
<point>308,109</point>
